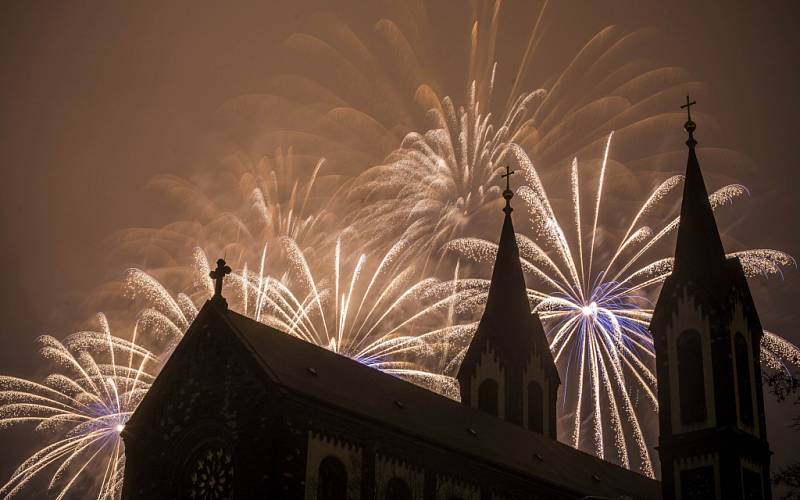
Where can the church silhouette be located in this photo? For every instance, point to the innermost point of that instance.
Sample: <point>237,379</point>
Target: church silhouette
<point>241,410</point>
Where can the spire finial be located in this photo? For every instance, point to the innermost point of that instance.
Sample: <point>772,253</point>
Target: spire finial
<point>689,126</point>
<point>508,193</point>
<point>218,275</point>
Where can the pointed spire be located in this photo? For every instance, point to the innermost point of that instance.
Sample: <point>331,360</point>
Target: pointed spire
<point>510,330</point>
<point>507,323</point>
<point>507,292</point>
<point>507,318</point>
<point>699,247</point>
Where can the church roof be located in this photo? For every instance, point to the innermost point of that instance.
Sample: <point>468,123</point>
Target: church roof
<point>699,248</point>
<point>366,393</point>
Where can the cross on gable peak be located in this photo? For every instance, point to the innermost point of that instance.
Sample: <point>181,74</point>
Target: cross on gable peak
<point>508,174</point>
<point>218,275</point>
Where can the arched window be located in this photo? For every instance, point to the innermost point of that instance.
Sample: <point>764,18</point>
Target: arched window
<point>487,396</point>
<point>332,480</point>
<point>751,483</point>
<point>535,408</point>
<point>397,489</point>
<point>743,380</point>
<point>691,383</point>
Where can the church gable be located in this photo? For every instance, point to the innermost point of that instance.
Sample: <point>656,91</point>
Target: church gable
<point>448,488</point>
<point>397,478</point>
<point>487,383</point>
<point>333,468</point>
<point>539,397</point>
<point>208,404</point>
<point>209,360</point>
<point>744,352</point>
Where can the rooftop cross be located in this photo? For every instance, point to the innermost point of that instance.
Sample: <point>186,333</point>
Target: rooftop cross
<point>218,275</point>
<point>508,193</point>
<point>690,126</point>
<point>688,107</point>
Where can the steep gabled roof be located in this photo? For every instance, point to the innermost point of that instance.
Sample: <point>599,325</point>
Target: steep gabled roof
<point>347,386</point>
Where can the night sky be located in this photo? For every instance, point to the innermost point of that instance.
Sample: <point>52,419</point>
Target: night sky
<point>98,97</point>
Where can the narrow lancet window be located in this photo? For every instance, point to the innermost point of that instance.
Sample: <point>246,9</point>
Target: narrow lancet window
<point>487,397</point>
<point>332,480</point>
<point>691,379</point>
<point>743,380</point>
<point>535,407</point>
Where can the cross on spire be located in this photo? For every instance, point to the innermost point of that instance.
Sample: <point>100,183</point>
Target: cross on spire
<point>688,107</point>
<point>218,275</point>
<point>508,193</point>
<point>506,175</point>
<point>689,126</point>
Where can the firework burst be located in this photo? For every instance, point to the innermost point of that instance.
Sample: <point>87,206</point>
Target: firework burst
<point>84,405</point>
<point>442,179</point>
<point>375,311</point>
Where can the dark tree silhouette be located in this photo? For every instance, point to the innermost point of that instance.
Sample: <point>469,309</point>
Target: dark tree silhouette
<point>787,388</point>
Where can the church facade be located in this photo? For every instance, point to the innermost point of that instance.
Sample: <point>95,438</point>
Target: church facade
<point>242,410</point>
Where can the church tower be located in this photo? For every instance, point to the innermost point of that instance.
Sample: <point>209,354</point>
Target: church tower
<point>712,442</point>
<point>508,370</point>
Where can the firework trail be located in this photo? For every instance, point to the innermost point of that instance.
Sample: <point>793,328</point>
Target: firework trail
<point>83,406</point>
<point>597,312</point>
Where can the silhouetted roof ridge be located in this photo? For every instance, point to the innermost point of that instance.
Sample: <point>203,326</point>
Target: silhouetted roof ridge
<point>401,406</point>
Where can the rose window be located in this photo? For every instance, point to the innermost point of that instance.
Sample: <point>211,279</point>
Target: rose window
<point>211,475</point>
